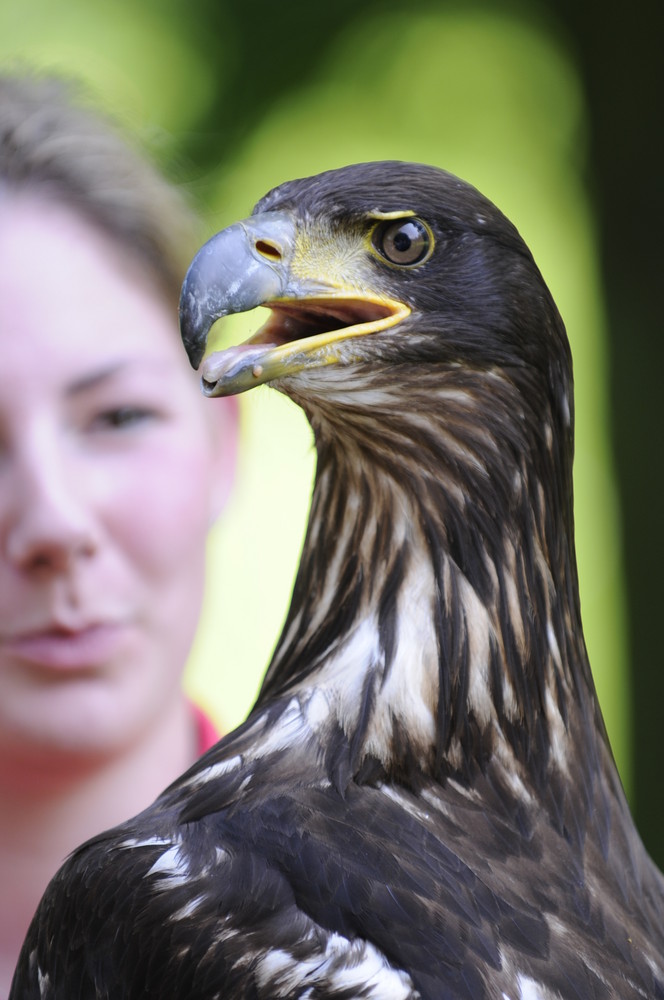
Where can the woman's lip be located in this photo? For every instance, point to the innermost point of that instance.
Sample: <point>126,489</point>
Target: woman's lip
<point>65,649</point>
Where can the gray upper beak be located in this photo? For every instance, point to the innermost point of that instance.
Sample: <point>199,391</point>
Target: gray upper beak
<point>240,268</point>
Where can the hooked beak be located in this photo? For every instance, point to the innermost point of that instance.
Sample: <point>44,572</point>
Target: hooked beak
<point>250,264</point>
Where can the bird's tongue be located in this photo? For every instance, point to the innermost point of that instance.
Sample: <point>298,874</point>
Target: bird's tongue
<point>227,363</point>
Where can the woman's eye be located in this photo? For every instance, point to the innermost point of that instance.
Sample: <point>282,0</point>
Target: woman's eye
<point>122,416</point>
<point>403,241</point>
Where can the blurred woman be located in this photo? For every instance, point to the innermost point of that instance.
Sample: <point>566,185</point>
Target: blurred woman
<point>112,469</point>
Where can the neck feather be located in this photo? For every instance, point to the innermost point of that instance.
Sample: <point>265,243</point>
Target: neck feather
<point>435,615</point>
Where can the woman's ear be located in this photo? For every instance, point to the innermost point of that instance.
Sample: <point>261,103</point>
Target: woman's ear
<point>224,418</point>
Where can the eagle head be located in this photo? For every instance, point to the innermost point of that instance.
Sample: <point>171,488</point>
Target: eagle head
<point>395,261</point>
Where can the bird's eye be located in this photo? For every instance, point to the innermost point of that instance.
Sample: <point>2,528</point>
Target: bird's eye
<point>403,241</point>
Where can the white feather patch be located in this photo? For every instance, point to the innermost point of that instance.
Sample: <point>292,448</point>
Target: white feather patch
<point>172,865</point>
<point>217,770</point>
<point>343,966</point>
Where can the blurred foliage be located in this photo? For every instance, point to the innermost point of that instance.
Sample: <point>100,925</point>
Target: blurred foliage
<point>234,98</point>
<point>137,65</point>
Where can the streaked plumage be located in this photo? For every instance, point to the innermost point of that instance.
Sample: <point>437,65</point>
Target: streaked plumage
<point>423,802</point>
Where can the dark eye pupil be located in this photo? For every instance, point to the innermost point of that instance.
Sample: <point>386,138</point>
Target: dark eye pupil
<point>403,241</point>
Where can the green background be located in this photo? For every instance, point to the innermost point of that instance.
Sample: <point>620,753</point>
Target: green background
<point>551,112</point>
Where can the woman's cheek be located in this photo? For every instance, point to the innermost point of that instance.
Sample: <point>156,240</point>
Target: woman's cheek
<point>159,508</point>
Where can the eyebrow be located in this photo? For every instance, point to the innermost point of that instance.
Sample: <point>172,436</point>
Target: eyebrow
<point>94,379</point>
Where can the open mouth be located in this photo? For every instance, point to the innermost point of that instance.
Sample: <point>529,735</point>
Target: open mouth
<point>296,330</point>
<point>303,319</point>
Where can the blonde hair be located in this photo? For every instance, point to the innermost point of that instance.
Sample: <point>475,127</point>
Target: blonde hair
<point>54,144</point>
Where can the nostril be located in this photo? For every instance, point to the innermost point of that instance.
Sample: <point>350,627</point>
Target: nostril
<point>267,249</point>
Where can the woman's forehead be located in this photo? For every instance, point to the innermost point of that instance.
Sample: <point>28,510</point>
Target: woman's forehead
<point>65,288</point>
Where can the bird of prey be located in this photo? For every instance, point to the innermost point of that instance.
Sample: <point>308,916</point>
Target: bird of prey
<point>423,802</point>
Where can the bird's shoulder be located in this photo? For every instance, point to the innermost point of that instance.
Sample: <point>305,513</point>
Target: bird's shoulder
<point>260,872</point>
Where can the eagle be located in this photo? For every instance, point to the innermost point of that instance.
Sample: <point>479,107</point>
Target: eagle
<point>423,802</point>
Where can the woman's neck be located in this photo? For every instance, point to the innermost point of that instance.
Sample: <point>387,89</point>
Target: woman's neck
<point>51,802</point>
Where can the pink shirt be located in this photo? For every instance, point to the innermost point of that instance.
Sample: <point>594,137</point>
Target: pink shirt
<point>206,731</point>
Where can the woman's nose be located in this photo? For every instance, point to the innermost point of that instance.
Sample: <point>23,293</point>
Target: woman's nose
<point>49,524</point>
